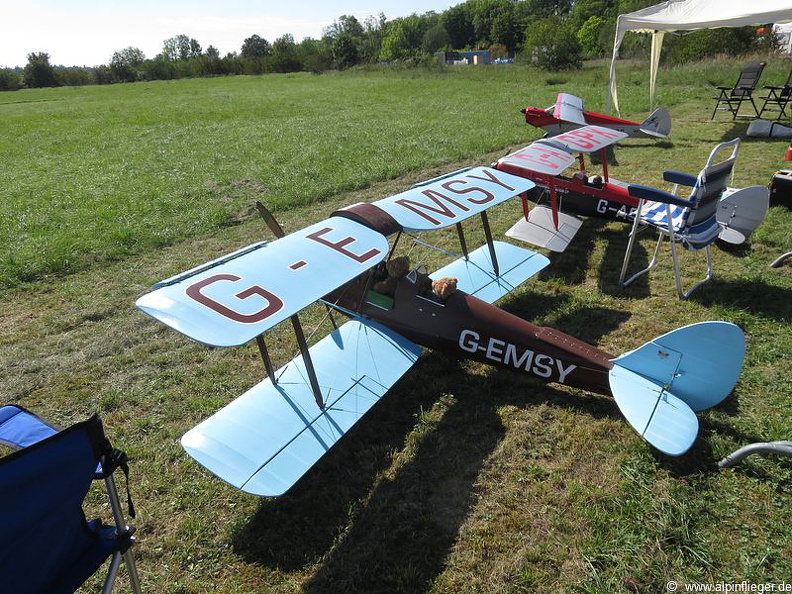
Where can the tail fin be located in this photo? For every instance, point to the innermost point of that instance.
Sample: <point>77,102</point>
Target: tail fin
<point>659,385</point>
<point>658,123</point>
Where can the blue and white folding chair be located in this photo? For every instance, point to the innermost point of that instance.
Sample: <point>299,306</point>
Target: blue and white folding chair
<point>690,222</point>
<point>46,543</point>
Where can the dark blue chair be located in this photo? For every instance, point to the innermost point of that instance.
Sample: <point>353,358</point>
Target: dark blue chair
<point>46,543</point>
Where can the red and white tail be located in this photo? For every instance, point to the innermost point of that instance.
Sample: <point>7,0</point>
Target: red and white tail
<point>657,124</point>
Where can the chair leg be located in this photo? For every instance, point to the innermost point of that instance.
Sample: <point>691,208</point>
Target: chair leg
<point>631,241</point>
<point>623,283</point>
<point>683,295</point>
<point>718,101</point>
<point>756,111</point>
<point>121,528</point>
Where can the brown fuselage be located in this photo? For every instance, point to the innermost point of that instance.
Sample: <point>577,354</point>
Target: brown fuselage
<point>467,327</point>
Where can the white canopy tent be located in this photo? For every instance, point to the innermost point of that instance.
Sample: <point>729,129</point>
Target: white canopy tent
<point>691,15</point>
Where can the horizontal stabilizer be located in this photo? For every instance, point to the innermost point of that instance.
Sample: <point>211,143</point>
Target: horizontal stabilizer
<point>741,211</point>
<point>699,363</point>
<point>540,230</point>
<point>266,439</point>
<point>452,199</point>
<point>476,275</point>
<point>233,299</point>
<point>658,416</point>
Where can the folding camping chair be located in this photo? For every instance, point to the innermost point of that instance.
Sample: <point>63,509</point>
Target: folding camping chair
<point>690,222</point>
<point>778,96</point>
<point>47,545</point>
<point>733,97</point>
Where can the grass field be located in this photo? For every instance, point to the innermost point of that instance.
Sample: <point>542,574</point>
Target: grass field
<point>463,479</point>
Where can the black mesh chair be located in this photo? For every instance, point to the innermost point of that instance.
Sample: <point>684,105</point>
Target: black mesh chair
<point>731,98</point>
<point>777,98</point>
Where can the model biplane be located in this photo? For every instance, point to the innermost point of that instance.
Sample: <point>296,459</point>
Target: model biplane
<point>266,439</point>
<point>567,114</point>
<point>561,200</point>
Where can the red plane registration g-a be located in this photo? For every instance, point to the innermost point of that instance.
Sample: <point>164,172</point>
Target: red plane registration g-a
<point>266,439</point>
<point>552,224</point>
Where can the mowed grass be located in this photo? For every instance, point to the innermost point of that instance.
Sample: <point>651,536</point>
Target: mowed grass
<point>464,478</point>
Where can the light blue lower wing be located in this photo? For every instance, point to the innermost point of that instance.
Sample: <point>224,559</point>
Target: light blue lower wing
<point>266,439</point>
<point>476,273</point>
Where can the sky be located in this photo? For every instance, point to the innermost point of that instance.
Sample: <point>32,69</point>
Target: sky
<point>88,32</point>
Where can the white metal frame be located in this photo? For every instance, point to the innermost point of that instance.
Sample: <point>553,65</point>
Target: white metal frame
<point>668,231</point>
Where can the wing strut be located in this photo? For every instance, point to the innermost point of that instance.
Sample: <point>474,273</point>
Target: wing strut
<point>262,346</point>
<point>462,242</point>
<point>490,245</point>
<point>298,332</point>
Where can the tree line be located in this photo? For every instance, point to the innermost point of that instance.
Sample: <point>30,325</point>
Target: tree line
<point>553,34</point>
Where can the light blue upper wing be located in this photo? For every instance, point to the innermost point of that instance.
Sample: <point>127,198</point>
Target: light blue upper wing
<point>234,299</point>
<point>452,199</point>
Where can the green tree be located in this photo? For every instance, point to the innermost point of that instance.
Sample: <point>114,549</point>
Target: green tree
<point>345,50</point>
<point>507,28</point>
<point>345,24</point>
<point>552,43</point>
<point>38,72</point>
<point>284,55</point>
<point>435,38</point>
<point>9,80</point>
<point>583,10</point>
<point>316,55</point>
<point>181,47</point>
<point>458,21</point>
<point>590,36</point>
<point>255,47</point>
<point>125,64</point>
<point>373,34</point>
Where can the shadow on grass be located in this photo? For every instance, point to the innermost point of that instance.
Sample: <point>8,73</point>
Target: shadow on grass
<point>701,458</point>
<point>741,250</point>
<point>610,269</point>
<point>297,529</point>
<point>374,530</point>
<point>755,297</point>
<point>663,144</point>
<point>572,264</point>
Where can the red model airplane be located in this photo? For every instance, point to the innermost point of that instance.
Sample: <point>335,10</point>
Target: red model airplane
<point>554,225</point>
<point>266,439</point>
<point>568,114</point>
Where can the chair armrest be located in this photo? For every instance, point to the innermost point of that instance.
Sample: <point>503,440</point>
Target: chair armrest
<point>771,87</point>
<point>20,428</point>
<point>724,88</point>
<point>648,193</point>
<point>683,179</point>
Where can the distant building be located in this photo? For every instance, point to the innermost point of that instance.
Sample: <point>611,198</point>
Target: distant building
<point>470,57</point>
<point>464,57</point>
